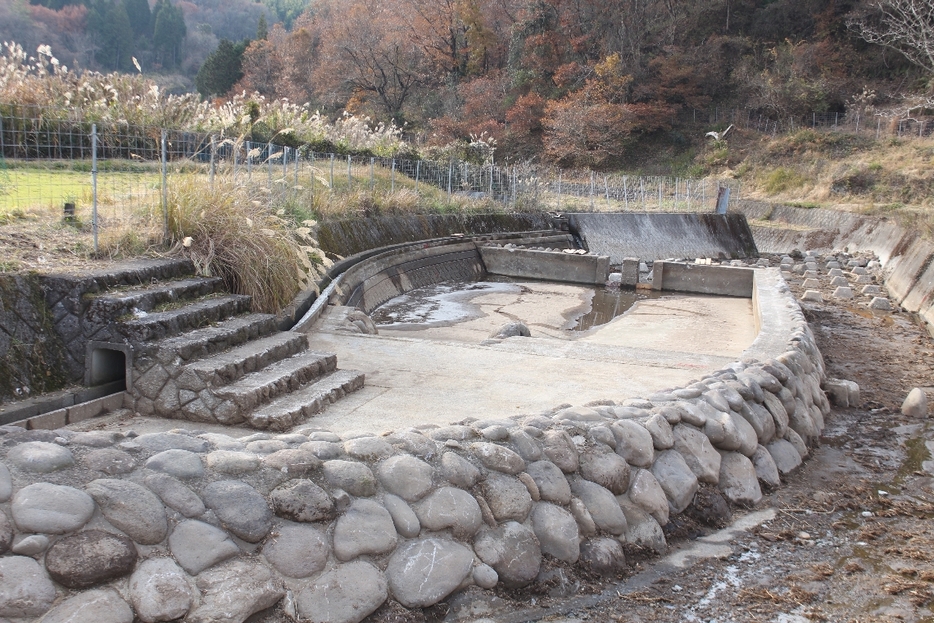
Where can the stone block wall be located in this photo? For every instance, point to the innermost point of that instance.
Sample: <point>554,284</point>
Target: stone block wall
<point>203,527</point>
<point>33,356</point>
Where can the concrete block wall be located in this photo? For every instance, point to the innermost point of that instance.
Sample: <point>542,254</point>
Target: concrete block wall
<point>546,265</point>
<point>907,258</point>
<point>664,236</point>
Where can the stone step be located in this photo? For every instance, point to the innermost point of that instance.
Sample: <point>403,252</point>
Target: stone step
<point>227,367</point>
<point>215,338</point>
<point>276,379</point>
<point>291,409</point>
<point>160,325</point>
<point>148,297</point>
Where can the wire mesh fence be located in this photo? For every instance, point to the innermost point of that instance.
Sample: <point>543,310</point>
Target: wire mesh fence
<point>862,123</point>
<point>114,175</point>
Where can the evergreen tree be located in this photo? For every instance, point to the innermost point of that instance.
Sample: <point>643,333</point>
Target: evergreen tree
<point>262,28</point>
<point>168,33</point>
<point>221,69</point>
<point>109,22</point>
<point>140,17</point>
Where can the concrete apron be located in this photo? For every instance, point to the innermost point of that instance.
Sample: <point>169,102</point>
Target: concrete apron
<point>443,374</point>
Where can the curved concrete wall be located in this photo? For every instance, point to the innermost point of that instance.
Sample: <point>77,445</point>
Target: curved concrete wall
<point>202,527</point>
<point>908,259</point>
<point>351,236</point>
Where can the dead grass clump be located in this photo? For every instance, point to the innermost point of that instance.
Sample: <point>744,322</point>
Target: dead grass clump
<point>231,231</point>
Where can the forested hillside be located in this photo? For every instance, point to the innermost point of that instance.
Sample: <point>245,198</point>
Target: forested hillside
<point>572,82</point>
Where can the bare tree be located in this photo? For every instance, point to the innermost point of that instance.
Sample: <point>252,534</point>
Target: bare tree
<point>906,26</point>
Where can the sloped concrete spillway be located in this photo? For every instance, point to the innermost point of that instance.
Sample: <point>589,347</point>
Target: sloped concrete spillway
<point>203,524</point>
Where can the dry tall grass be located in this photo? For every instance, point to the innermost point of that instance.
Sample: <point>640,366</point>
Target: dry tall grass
<point>233,232</point>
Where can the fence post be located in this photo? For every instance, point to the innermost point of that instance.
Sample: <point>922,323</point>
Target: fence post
<point>418,166</point>
<point>537,180</point>
<point>661,181</point>
<point>94,183</point>
<point>249,160</point>
<point>392,177</point>
<point>591,190</point>
<point>606,187</point>
<point>491,180</point>
<point>213,152</point>
<point>878,127</point>
<point>298,156</point>
<point>312,178</point>
<point>515,182</point>
<point>559,190</point>
<point>857,123</point>
<point>450,174</point>
<point>626,192</point>
<point>165,190</point>
<point>332,173</point>
<point>269,164</point>
<point>372,181</point>
<point>349,176</point>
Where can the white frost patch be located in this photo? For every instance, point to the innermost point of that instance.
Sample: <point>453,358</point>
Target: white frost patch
<point>437,305</point>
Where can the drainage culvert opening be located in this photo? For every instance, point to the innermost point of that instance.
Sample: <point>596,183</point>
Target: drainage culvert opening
<point>107,366</point>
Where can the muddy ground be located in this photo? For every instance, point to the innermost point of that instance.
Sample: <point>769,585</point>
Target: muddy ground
<point>848,538</point>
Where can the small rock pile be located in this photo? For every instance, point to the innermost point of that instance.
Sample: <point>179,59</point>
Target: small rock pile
<point>203,527</point>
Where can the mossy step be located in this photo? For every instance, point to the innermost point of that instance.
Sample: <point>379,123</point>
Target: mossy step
<point>291,409</point>
<point>277,379</point>
<point>227,367</point>
<point>160,325</point>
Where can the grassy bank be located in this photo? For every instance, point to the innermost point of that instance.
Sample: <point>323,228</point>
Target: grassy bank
<point>891,177</point>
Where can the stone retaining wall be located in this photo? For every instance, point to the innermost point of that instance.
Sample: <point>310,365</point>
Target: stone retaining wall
<point>45,325</point>
<point>102,526</point>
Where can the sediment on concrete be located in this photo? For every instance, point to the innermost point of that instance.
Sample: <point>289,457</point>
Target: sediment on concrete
<point>371,280</point>
<point>664,236</point>
<point>907,259</point>
<point>332,526</point>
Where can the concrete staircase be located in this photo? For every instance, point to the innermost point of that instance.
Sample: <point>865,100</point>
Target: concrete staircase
<point>195,352</point>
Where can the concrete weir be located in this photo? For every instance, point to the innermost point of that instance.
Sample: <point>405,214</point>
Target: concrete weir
<point>198,525</point>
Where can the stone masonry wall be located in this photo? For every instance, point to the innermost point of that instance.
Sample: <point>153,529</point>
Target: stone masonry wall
<point>32,356</point>
<point>200,527</point>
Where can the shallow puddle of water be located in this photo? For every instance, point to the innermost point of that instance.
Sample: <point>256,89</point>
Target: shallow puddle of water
<point>449,303</point>
<point>607,304</point>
